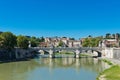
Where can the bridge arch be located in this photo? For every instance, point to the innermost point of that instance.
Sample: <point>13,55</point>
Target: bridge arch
<point>80,49</point>
<point>99,54</point>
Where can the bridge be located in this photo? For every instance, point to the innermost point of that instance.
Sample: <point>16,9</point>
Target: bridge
<point>76,51</point>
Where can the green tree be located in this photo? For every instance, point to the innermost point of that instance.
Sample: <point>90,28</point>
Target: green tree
<point>1,41</point>
<point>61,43</point>
<point>41,39</point>
<point>72,38</point>
<point>85,42</point>
<point>113,36</point>
<point>89,36</point>
<point>108,36</point>
<point>22,42</point>
<point>91,42</point>
<point>117,35</point>
<point>64,37</point>
<point>34,41</point>
<point>7,40</point>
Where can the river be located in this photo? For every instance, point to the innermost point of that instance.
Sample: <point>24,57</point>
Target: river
<point>53,69</point>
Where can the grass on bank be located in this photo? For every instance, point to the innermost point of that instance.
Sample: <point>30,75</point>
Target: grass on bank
<point>69,53</point>
<point>108,62</point>
<point>112,73</point>
<point>84,54</point>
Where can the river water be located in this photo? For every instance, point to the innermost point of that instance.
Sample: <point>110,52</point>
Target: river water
<point>53,69</point>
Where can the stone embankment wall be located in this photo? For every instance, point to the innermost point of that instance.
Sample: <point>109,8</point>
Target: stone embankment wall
<point>16,53</point>
<point>107,52</point>
<point>116,53</point>
<point>24,53</point>
<point>111,53</point>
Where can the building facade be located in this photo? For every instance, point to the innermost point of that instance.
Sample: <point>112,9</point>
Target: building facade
<point>54,42</point>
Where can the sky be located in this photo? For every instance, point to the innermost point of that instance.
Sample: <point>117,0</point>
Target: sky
<point>49,18</point>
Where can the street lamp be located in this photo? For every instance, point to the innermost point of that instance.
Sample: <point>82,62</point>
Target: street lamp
<point>29,44</point>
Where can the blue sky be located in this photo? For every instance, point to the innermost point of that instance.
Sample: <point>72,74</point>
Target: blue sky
<point>72,18</point>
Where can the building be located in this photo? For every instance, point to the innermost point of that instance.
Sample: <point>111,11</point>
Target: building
<point>109,43</point>
<point>70,43</point>
<point>51,41</point>
<point>43,44</point>
<point>65,40</point>
<point>75,43</point>
<point>54,42</point>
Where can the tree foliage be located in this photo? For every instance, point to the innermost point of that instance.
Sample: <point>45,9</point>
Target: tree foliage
<point>7,40</point>
<point>108,36</point>
<point>112,36</point>
<point>34,41</point>
<point>22,42</point>
<point>91,42</point>
<point>72,38</point>
<point>41,39</point>
<point>61,43</point>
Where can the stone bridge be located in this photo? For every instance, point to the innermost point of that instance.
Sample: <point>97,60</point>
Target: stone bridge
<point>77,51</point>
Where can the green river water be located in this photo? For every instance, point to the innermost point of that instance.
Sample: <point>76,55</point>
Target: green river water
<point>53,69</point>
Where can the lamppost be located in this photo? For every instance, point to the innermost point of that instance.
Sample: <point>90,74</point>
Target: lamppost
<point>29,44</point>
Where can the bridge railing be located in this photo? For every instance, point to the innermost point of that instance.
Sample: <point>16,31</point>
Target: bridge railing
<point>67,48</point>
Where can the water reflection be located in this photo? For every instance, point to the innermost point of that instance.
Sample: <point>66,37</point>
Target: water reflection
<point>34,69</point>
<point>89,63</point>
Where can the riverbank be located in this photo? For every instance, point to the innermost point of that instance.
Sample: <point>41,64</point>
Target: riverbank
<point>112,73</point>
<point>17,60</point>
<point>16,54</point>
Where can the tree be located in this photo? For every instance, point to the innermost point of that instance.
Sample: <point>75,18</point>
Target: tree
<point>61,43</point>
<point>1,41</point>
<point>7,40</point>
<point>98,39</point>
<point>64,37</point>
<point>113,36</point>
<point>22,42</point>
<point>85,42</point>
<point>89,36</point>
<point>108,36</point>
<point>34,41</point>
<point>117,35</point>
<point>41,39</point>
<point>72,38</point>
<point>91,42</point>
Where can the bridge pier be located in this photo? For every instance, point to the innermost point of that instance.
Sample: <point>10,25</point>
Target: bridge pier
<point>95,53</point>
<point>77,54</point>
<point>51,54</point>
